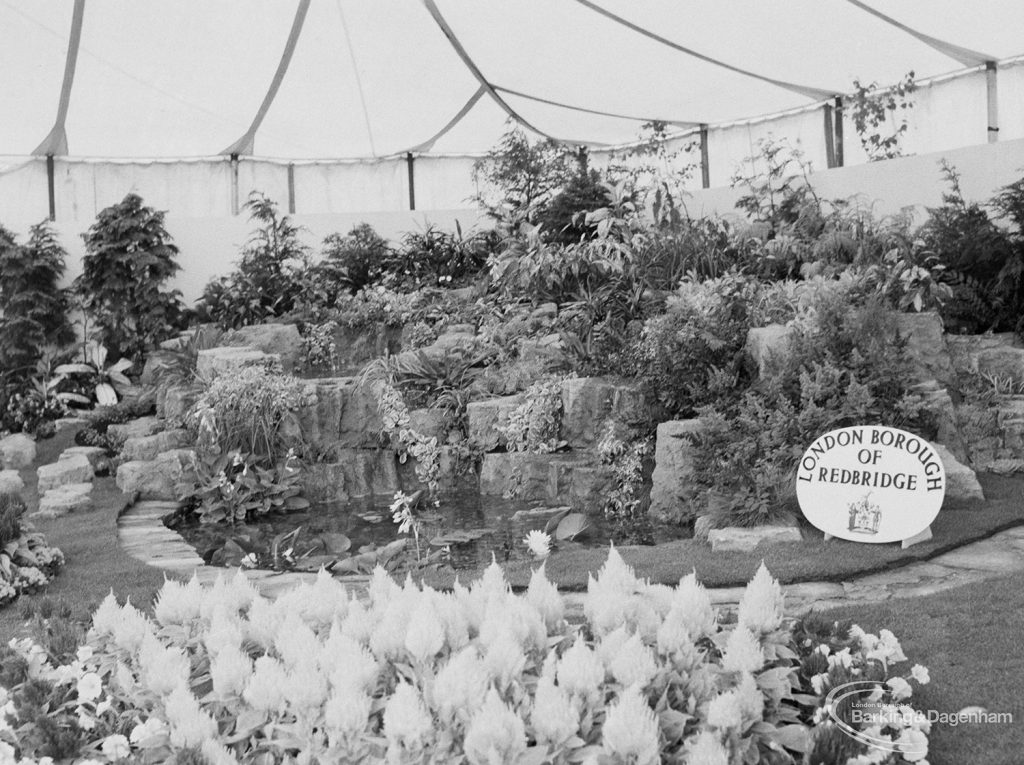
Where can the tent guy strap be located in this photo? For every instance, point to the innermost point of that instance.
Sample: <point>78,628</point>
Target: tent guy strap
<point>816,94</point>
<point>538,99</point>
<point>56,141</point>
<point>429,143</point>
<point>435,13</point>
<point>965,56</point>
<point>245,144</point>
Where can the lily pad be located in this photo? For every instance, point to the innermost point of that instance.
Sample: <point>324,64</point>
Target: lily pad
<point>572,526</point>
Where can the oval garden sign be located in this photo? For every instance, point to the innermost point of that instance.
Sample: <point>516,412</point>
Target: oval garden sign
<point>871,483</point>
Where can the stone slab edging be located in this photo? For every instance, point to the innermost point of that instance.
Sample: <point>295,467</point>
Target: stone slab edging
<point>143,536</point>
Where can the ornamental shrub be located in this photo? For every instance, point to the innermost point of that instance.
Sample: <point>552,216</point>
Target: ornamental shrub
<point>33,308</point>
<point>129,258</point>
<point>478,675</point>
<point>27,562</point>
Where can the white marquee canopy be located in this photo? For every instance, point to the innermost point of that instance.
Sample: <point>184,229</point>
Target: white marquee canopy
<point>303,79</point>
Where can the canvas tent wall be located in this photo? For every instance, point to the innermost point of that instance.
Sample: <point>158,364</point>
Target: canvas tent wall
<point>325,102</point>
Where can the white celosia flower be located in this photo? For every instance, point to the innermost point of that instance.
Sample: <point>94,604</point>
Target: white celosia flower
<point>454,621</point>
<point>130,628</point>
<point>900,688</point>
<point>504,661</point>
<point>230,670</point>
<point>225,631</point>
<point>692,605</point>
<point>265,689</point>
<point>724,712</point>
<point>554,719</point>
<point>305,686</point>
<point>538,543</point>
<point>178,604</point>
<point>190,725</point>
<point>407,723</point>
<point>707,749</point>
<point>630,732</point>
<point>742,652</point>
<point>328,601</point>
<point>295,642</point>
<point>750,698</point>
<point>761,606</point>
<point>348,663</point>
<point>263,622</point>
<point>580,671</point>
<point>347,713</point>
<point>89,687</point>
<point>920,674</point>
<point>382,589</point>
<point>495,735</point>
<point>147,733</point>
<point>492,585</point>
<point>606,609</point>
<point>388,638</point>
<point>107,615</point>
<point>460,685</point>
<point>616,575</point>
<point>633,664</point>
<point>116,747</point>
<point>359,622</point>
<point>543,595</point>
<point>426,635</point>
<point>163,668</point>
<point>609,645</point>
<point>215,753</point>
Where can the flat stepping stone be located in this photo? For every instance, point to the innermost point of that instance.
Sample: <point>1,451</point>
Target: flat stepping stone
<point>65,499</point>
<point>17,451</point>
<point>143,426</point>
<point>736,539</point>
<point>95,454</point>
<point>10,482</point>
<point>983,558</point>
<point>75,469</point>
<point>149,447</point>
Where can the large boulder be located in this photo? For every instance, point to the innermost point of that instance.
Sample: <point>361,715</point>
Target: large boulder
<point>430,423</point>
<point>213,362</point>
<point>282,340</point>
<point>174,403</point>
<point>339,414</point>
<point>939,404</point>
<point>484,417</point>
<point>672,489</point>
<point>354,346</point>
<point>160,478</point>
<point>589,402</point>
<point>926,346</point>
<point>358,473</point>
<point>10,482</point>
<point>767,346</point>
<point>96,455</point>
<point>148,447</point>
<point>961,481</point>
<point>17,451</point>
<point>69,498</point>
<point>74,469</point>
<point>965,351</point>
<point>1005,362</point>
<point>545,478</point>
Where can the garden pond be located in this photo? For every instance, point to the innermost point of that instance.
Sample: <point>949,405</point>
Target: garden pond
<point>463,530</point>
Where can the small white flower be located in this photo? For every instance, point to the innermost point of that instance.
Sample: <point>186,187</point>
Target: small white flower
<point>900,688</point>
<point>145,732</point>
<point>913,745</point>
<point>920,674</point>
<point>538,543</point>
<point>116,747</point>
<point>89,687</point>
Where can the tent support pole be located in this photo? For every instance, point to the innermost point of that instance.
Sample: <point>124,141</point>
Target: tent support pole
<point>409,163</point>
<point>992,98</point>
<point>705,169</point>
<point>291,188</point>
<point>838,118</point>
<point>830,138</point>
<point>234,184</point>
<point>50,186</point>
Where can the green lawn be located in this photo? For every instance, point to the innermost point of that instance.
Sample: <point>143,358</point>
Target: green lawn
<point>970,640</point>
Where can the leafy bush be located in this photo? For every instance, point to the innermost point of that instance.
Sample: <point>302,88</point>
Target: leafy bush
<point>562,219</point>
<point>875,110</point>
<point>235,488</point>
<point>246,412</point>
<point>27,562</point>
<point>846,365</point>
<point>33,309</point>
<point>517,175</point>
<point>478,676</point>
<point>268,279</point>
<point>129,257</point>
<point>433,257</point>
<point>349,263</point>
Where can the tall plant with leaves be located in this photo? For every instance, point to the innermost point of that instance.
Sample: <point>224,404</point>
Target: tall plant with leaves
<point>267,281</point>
<point>880,116</point>
<point>129,258</point>
<point>33,308</point>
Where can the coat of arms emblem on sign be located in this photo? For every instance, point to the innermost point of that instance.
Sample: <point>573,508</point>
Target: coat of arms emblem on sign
<point>864,516</point>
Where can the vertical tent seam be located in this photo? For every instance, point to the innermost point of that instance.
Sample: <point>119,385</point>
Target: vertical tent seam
<point>56,141</point>
<point>245,144</point>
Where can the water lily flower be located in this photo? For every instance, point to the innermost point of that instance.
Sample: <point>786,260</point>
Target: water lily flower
<point>630,732</point>
<point>539,543</point>
<point>495,735</point>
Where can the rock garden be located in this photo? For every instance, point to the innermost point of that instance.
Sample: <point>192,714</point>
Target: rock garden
<point>556,432</point>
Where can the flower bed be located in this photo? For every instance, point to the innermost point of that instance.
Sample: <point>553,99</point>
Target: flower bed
<point>27,562</point>
<point>480,675</point>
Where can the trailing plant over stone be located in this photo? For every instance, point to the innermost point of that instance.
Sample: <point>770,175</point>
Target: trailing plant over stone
<point>129,258</point>
<point>535,425</point>
<point>478,675</point>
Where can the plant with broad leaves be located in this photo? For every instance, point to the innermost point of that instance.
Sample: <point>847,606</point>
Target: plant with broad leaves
<point>108,381</point>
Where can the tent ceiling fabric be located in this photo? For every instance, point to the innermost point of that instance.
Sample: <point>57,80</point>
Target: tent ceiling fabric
<point>187,78</point>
